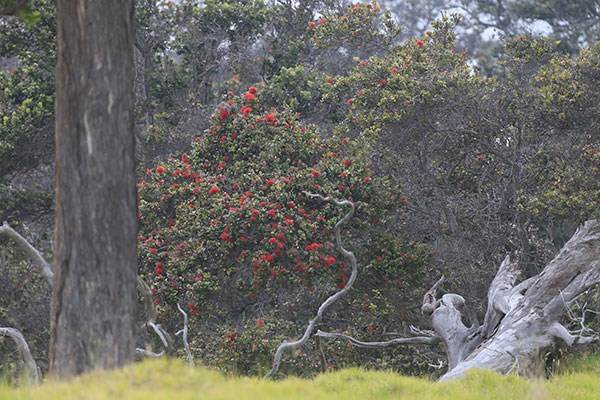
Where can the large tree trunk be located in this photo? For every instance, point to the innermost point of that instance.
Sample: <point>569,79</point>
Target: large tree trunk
<point>93,301</point>
<point>523,320</point>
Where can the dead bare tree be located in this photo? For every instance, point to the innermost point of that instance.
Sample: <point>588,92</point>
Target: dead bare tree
<point>522,320</point>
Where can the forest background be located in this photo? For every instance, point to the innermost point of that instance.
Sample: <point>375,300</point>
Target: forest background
<point>460,138</point>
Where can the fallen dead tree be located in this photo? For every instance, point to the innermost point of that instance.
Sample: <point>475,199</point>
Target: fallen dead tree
<point>522,320</point>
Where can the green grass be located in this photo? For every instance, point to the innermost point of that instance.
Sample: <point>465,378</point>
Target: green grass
<point>170,379</point>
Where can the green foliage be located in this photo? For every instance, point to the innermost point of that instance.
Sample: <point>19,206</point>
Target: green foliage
<point>229,226</point>
<point>27,95</point>
<point>12,201</point>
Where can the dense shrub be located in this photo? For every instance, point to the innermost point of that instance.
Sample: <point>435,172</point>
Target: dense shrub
<point>228,229</point>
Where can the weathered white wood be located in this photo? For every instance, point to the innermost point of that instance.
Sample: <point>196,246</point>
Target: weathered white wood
<point>184,336</point>
<point>32,373</point>
<point>165,338</point>
<point>434,338</point>
<point>30,251</point>
<point>531,324</point>
<point>499,296</point>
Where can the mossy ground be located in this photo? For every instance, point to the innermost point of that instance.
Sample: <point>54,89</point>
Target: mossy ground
<point>170,379</point>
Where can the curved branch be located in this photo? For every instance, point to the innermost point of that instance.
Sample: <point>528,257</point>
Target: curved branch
<point>143,353</point>
<point>30,251</point>
<point>333,298</point>
<point>371,345</point>
<point>184,333</point>
<point>146,294</point>
<point>23,348</point>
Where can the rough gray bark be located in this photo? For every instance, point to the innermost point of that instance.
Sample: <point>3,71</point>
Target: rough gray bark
<point>93,301</point>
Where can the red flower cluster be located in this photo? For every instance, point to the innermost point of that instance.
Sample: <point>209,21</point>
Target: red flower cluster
<point>224,113</point>
<point>313,246</point>
<point>270,118</point>
<point>246,110</point>
<point>213,190</point>
<point>329,261</point>
<point>419,43</point>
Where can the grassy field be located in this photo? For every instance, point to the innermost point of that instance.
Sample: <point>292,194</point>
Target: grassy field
<point>170,379</point>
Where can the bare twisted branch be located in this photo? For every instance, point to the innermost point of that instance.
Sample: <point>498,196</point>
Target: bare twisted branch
<point>333,298</point>
<point>30,251</point>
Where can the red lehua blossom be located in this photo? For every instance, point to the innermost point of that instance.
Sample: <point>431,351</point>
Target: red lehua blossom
<point>312,24</point>
<point>479,158</point>
<point>270,118</point>
<point>223,114</point>
<point>394,70</point>
<point>160,169</point>
<point>259,323</point>
<point>329,261</point>
<point>315,173</point>
<point>367,179</point>
<point>322,20</point>
<point>269,258</point>
<point>272,240</point>
<point>420,43</point>
<point>350,102</point>
<point>246,110</point>
<point>404,199</point>
<point>255,212</point>
<point>330,80</point>
<point>382,82</point>
<point>252,90</point>
<point>185,158</point>
<point>347,163</point>
<point>153,250</point>
<point>270,182</point>
<point>213,190</point>
<point>249,96</point>
<point>224,236</point>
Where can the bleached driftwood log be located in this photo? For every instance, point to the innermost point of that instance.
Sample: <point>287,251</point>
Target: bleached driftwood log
<point>524,320</point>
